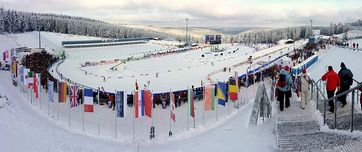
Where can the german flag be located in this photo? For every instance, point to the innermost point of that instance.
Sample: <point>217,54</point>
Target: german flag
<point>233,90</point>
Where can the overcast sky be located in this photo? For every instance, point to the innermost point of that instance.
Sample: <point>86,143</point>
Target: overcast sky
<point>220,13</point>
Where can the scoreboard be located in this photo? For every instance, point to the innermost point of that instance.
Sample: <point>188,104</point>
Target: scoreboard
<point>213,39</point>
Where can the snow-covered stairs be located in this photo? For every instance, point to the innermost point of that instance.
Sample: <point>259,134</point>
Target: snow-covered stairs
<point>343,116</point>
<point>299,130</point>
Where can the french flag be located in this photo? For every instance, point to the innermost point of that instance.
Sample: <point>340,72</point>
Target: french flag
<point>88,100</point>
<point>138,104</point>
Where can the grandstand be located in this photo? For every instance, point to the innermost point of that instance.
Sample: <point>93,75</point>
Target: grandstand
<point>105,42</point>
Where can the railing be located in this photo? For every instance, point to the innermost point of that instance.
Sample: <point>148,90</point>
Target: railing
<point>262,106</point>
<point>316,85</point>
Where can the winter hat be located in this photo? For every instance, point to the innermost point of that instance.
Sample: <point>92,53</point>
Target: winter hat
<point>343,65</point>
<point>330,68</point>
<point>286,68</point>
<point>304,70</point>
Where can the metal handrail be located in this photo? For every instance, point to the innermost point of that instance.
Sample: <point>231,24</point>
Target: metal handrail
<point>344,93</point>
<point>335,101</point>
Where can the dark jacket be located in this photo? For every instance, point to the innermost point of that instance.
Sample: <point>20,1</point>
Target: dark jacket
<point>346,77</point>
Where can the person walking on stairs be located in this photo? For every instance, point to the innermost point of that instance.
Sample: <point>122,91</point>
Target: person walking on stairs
<point>284,84</point>
<point>304,81</point>
<point>346,78</point>
<point>333,82</point>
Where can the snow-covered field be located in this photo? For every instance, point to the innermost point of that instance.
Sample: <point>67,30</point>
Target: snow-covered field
<point>29,127</point>
<point>175,72</point>
<point>333,57</point>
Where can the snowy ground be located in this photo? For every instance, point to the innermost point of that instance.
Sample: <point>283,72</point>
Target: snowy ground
<point>333,57</point>
<point>25,123</point>
<point>178,71</point>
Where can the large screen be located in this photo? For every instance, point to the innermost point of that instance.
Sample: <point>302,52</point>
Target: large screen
<point>213,39</point>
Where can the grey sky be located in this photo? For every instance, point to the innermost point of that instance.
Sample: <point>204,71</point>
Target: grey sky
<point>221,13</point>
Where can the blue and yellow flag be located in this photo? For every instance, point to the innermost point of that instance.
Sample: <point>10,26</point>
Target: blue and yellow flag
<point>221,93</point>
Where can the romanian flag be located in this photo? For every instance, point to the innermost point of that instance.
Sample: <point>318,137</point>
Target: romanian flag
<point>191,102</point>
<point>88,100</point>
<point>63,92</point>
<point>209,99</point>
<point>221,93</point>
<point>233,90</point>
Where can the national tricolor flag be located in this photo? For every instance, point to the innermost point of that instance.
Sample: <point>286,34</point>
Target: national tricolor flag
<point>26,71</point>
<point>221,93</point>
<point>30,79</point>
<point>190,97</point>
<point>121,102</point>
<point>62,92</point>
<point>209,98</point>
<point>88,100</point>
<point>37,84</point>
<point>138,104</point>
<point>172,107</point>
<point>233,90</point>
<point>73,96</point>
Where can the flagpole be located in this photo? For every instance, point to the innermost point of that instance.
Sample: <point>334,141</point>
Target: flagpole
<point>69,106</point>
<point>188,107</point>
<point>216,105</point>
<point>58,99</point>
<point>48,94</point>
<point>203,111</point>
<point>115,116</point>
<point>99,115</point>
<point>39,91</point>
<point>170,132</point>
<point>134,121</point>
<point>193,107</point>
<point>83,109</point>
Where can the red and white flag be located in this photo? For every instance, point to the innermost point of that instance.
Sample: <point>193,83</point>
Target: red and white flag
<point>172,107</point>
<point>36,82</point>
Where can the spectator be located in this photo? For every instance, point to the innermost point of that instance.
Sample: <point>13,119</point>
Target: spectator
<point>346,78</point>
<point>304,87</point>
<point>283,88</point>
<point>333,82</point>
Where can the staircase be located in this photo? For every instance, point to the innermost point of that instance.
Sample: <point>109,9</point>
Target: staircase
<point>299,130</point>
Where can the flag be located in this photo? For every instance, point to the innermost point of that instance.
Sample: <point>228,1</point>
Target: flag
<point>88,100</point>
<point>73,96</point>
<point>138,104</point>
<point>233,90</point>
<point>37,84</point>
<point>63,92</point>
<point>147,101</point>
<point>121,102</point>
<point>26,71</point>
<point>136,84</point>
<point>50,91</point>
<point>21,74</point>
<point>191,101</point>
<point>209,98</point>
<point>30,79</point>
<point>6,55</point>
<point>221,93</point>
<point>172,107</point>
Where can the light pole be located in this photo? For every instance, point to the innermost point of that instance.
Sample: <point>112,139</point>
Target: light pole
<point>187,20</point>
<point>311,27</point>
<point>39,32</point>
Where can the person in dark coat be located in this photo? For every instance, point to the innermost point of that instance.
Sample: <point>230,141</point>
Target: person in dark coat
<point>346,78</point>
<point>333,82</point>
